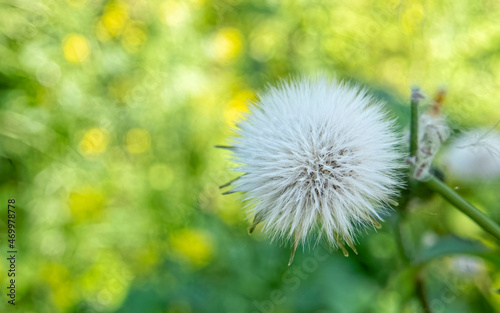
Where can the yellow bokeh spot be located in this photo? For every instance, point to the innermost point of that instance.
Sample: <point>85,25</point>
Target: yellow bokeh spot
<point>55,274</point>
<point>160,176</point>
<point>107,279</point>
<point>86,204</point>
<point>133,37</point>
<point>194,246</point>
<point>137,140</point>
<point>412,17</point>
<point>238,105</point>
<point>76,48</point>
<point>174,13</point>
<point>231,214</point>
<point>114,19</point>
<point>59,279</point>
<point>94,142</point>
<point>146,258</point>
<point>227,44</point>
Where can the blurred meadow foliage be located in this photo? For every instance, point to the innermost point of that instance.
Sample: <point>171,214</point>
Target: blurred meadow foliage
<point>109,112</point>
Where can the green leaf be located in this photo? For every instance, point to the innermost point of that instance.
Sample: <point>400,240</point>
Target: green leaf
<point>451,245</point>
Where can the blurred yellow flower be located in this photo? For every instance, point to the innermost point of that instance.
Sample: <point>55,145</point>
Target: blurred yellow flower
<point>107,279</point>
<point>86,204</point>
<point>174,13</point>
<point>94,142</point>
<point>133,37</point>
<point>59,279</point>
<point>237,105</point>
<point>137,140</point>
<point>227,44</point>
<point>55,274</point>
<point>412,17</point>
<point>194,246</point>
<point>76,48</point>
<point>114,18</point>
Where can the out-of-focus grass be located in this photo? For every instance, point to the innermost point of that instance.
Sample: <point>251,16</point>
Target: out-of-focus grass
<point>109,112</point>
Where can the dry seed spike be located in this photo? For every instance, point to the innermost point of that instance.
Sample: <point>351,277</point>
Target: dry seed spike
<point>294,248</point>
<point>351,245</point>
<point>393,203</point>
<point>341,245</point>
<point>375,223</point>
<point>230,148</point>
<point>229,182</point>
<point>256,220</point>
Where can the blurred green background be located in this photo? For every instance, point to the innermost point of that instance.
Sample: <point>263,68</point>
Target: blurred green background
<point>109,111</point>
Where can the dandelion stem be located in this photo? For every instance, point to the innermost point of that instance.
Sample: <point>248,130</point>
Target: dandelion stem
<point>415,99</point>
<point>463,205</point>
<point>399,230</point>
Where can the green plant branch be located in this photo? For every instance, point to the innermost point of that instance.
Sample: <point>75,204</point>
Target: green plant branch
<point>415,99</point>
<point>463,205</point>
<point>399,227</point>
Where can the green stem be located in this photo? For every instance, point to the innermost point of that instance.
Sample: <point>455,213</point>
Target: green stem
<point>414,123</point>
<point>420,289</point>
<point>463,205</point>
<point>399,227</point>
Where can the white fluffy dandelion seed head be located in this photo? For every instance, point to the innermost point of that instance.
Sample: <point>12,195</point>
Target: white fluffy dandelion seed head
<point>317,153</point>
<point>474,155</point>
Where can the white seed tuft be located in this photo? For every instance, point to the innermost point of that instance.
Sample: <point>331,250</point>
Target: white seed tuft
<point>317,154</point>
<point>474,155</point>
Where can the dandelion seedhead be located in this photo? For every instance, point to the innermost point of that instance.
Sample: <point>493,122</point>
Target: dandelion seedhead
<point>474,155</point>
<point>317,154</point>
